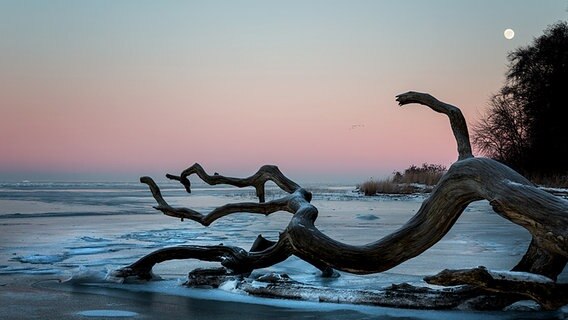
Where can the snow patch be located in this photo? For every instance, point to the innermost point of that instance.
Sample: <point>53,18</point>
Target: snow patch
<point>89,250</point>
<point>84,274</point>
<point>88,275</point>
<point>230,286</point>
<point>258,284</point>
<point>562,191</point>
<point>93,239</point>
<point>564,310</point>
<point>513,183</point>
<point>523,305</point>
<point>519,276</point>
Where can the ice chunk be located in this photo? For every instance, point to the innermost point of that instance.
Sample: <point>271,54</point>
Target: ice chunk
<point>107,313</point>
<point>230,286</point>
<point>84,275</point>
<point>93,239</point>
<point>41,259</point>
<point>523,305</point>
<point>90,250</point>
<point>367,217</point>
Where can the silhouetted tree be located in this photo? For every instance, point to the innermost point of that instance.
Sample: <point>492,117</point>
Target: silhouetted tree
<point>526,123</point>
<point>502,134</point>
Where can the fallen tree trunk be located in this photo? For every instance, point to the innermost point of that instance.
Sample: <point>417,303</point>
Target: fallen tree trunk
<point>469,179</point>
<point>281,286</point>
<point>543,290</point>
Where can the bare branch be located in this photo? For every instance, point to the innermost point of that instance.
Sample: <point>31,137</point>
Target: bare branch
<point>267,208</point>
<point>457,121</point>
<point>257,180</point>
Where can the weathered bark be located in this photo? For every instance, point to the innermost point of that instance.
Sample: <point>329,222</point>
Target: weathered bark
<point>511,195</point>
<point>539,261</point>
<point>469,179</point>
<point>396,295</point>
<point>548,294</point>
<point>281,286</point>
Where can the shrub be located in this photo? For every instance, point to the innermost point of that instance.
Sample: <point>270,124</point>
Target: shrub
<point>405,182</point>
<point>428,174</point>
<point>372,187</point>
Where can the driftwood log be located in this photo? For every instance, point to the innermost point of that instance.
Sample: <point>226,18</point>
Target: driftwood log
<point>469,179</point>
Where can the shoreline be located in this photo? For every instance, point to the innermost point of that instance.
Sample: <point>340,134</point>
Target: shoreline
<point>36,249</point>
<point>43,297</point>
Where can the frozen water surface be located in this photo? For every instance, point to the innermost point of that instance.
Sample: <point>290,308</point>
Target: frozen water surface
<point>107,313</point>
<point>81,231</point>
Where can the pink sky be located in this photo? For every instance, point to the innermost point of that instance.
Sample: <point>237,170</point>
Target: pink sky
<point>98,88</point>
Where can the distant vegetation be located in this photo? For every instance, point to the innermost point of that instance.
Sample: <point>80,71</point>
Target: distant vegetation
<point>412,180</point>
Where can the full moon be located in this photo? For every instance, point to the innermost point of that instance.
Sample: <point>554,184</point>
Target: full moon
<point>509,34</point>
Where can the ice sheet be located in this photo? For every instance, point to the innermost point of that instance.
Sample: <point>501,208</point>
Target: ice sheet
<point>84,248</point>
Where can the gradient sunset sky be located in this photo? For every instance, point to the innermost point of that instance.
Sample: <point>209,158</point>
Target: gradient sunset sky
<point>111,90</point>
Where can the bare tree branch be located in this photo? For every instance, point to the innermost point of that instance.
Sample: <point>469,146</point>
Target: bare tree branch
<point>457,121</point>
<point>266,208</point>
<point>257,180</point>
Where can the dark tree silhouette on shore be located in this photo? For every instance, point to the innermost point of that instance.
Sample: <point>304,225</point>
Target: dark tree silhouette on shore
<point>525,126</point>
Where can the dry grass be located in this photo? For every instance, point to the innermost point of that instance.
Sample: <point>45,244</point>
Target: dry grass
<point>405,182</point>
<point>372,187</point>
<point>428,174</point>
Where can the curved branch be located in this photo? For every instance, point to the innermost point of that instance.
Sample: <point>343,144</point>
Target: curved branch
<point>542,214</point>
<point>234,258</point>
<point>143,267</point>
<point>219,212</point>
<point>257,180</point>
<point>457,121</point>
